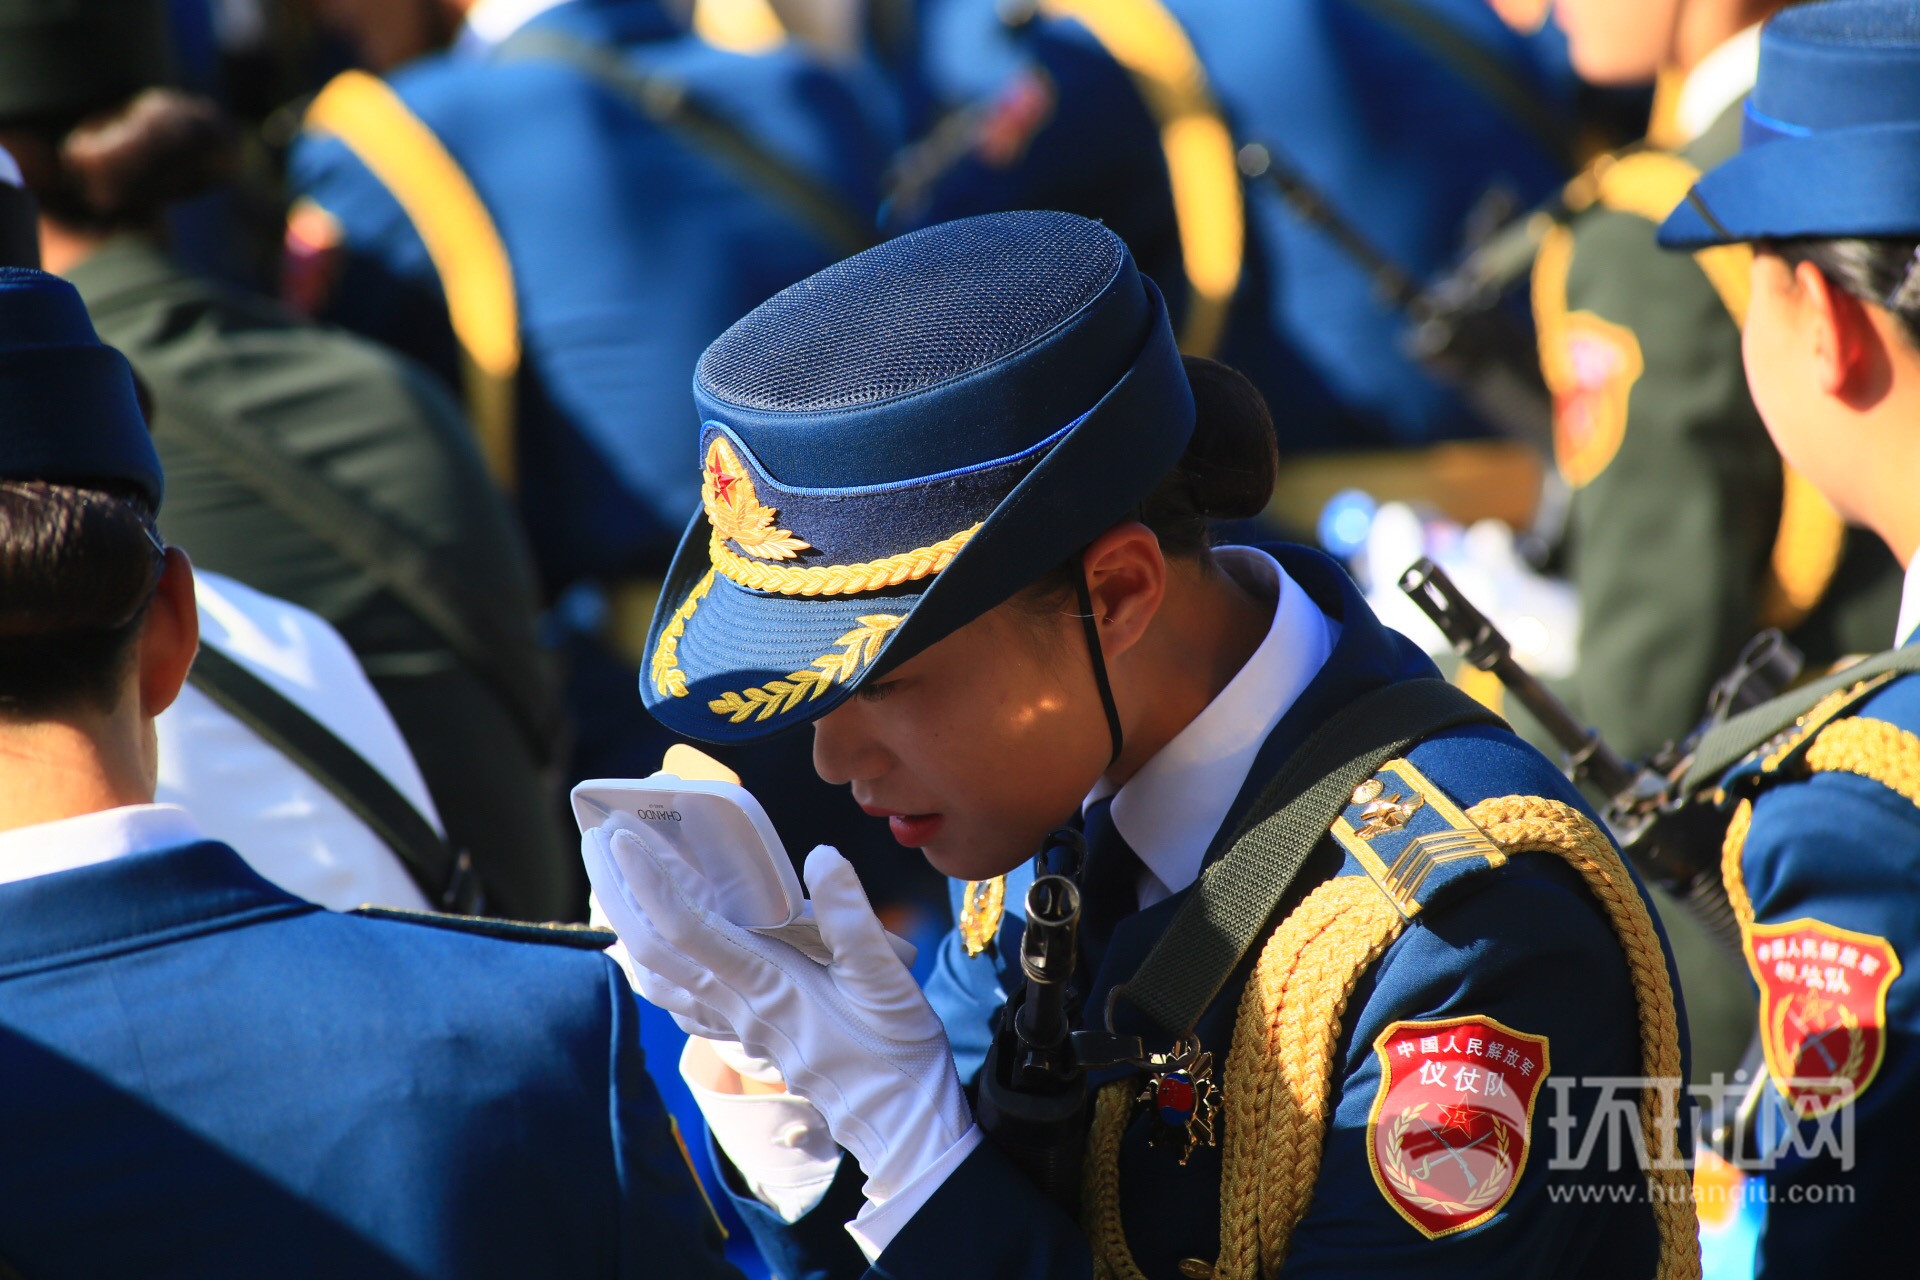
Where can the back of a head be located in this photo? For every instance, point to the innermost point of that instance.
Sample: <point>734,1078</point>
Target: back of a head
<point>1824,173</point>
<point>103,142</point>
<point>1881,269</point>
<point>79,487</point>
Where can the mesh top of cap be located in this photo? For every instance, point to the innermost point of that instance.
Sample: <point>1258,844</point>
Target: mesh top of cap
<point>912,313</point>
<point>1850,24</point>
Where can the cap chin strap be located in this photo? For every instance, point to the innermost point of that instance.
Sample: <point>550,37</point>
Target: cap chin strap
<point>1092,624</point>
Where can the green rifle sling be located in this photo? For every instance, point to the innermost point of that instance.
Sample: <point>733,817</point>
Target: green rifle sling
<point>1238,894</point>
<point>1730,743</point>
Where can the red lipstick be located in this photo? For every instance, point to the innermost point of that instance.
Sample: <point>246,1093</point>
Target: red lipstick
<point>914,830</point>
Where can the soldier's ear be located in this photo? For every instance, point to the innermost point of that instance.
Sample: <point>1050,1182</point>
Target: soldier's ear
<point>1849,351</point>
<point>1127,580</point>
<point>169,636</point>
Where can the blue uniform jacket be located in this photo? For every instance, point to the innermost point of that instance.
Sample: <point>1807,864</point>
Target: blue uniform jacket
<point>1524,944</point>
<point>1403,124</point>
<point>207,1077</point>
<point>1831,865</point>
<point>631,249</point>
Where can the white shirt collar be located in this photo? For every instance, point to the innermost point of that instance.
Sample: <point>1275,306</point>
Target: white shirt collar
<point>1168,812</point>
<point>1909,604</point>
<point>1718,81</point>
<point>47,847</point>
<point>491,21</point>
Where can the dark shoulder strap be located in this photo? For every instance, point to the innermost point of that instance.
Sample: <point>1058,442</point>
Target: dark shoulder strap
<point>451,608</point>
<point>1461,54</point>
<point>1730,743</point>
<point>668,103</point>
<point>445,879</point>
<point>1236,897</point>
<point>580,937</point>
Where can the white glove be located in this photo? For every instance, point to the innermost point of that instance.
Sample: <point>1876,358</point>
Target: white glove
<point>854,1036</point>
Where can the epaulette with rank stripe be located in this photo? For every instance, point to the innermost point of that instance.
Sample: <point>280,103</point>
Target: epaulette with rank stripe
<point>1413,841</point>
<point>581,937</point>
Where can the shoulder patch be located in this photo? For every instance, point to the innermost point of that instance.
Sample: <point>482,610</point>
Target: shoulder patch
<point>1591,366</point>
<point>311,257</point>
<point>1411,839</point>
<point>1823,1009</point>
<point>1452,1118</point>
<point>581,937</point>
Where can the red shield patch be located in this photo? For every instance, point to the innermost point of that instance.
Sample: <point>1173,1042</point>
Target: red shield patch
<point>1023,107</point>
<point>311,258</point>
<point>1451,1121</point>
<point>1823,1009</point>
<point>1595,368</point>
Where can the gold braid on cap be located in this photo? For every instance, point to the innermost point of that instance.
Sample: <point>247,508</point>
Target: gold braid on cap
<point>736,515</point>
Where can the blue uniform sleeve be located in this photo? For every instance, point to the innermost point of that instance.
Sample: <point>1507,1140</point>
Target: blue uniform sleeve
<point>817,1246</point>
<point>1831,860</point>
<point>666,1226</point>
<point>1531,952</point>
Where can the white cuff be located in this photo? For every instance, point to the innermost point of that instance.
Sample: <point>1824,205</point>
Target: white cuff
<point>778,1141</point>
<point>878,1222</point>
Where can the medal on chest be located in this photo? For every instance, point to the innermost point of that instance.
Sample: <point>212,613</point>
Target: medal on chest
<point>1181,1098</point>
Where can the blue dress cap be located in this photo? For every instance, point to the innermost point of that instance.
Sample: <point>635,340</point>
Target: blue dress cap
<point>71,414</point>
<point>1831,138</point>
<point>899,443</point>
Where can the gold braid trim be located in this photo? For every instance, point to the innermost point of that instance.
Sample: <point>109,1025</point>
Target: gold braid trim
<point>668,679</point>
<point>1278,1089</point>
<point>1730,868</point>
<point>1279,1081</point>
<point>857,650</point>
<point>837,579</point>
<point>1100,1187</point>
<point>1871,748</point>
<point>1532,824</point>
<point>1279,1084</point>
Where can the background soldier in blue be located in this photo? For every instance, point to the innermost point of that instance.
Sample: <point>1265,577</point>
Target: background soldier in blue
<point>557,211</point>
<point>998,630</point>
<point>208,1077</point>
<point>1402,117</point>
<point>1819,859</point>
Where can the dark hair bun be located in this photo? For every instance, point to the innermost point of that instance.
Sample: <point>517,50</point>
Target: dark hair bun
<point>159,147</point>
<point>1232,461</point>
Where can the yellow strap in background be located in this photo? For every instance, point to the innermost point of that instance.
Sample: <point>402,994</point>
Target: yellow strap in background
<point>404,156</point>
<point>1202,166</point>
<point>739,26</point>
<point>1651,185</point>
<point>1807,550</point>
<point>1663,115</point>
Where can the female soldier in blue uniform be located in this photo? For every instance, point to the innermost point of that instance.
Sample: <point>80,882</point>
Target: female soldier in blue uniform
<point>955,493</point>
<point>1820,857</point>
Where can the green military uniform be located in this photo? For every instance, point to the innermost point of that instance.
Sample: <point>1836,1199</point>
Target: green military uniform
<point>318,468</point>
<point>1686,535</point>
